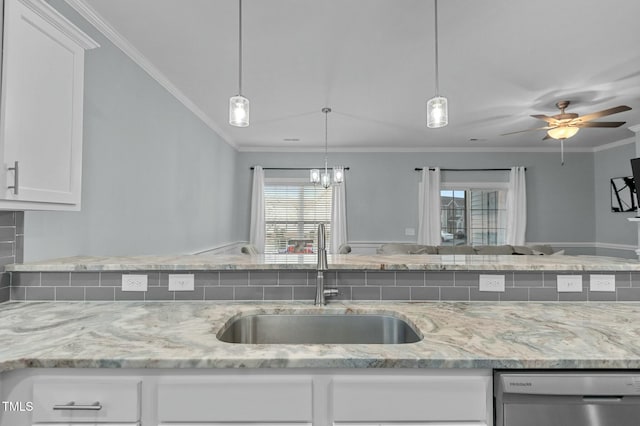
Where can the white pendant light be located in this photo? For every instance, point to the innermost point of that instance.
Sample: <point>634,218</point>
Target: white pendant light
<point>324,178</point>
<point>239,105</point>
<point>437,109</point>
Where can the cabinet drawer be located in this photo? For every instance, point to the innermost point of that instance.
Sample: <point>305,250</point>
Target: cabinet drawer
<point>101,401</point>
<point>409,399</point>
<point>236,399</point>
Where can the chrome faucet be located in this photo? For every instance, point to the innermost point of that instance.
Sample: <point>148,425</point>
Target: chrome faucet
<point>321,292</point>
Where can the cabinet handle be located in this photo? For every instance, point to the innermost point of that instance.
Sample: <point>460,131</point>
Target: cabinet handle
<point>96,406</point>
<point>16,173</point>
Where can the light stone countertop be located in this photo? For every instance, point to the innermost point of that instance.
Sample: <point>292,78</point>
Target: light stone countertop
<point>206,262</point>
<point>183,335</point>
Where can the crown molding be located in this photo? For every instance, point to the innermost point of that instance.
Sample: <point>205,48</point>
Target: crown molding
<point>52,16</point>
<point>616,144</point>
<point>95,19</point>
<point>635,128</point>
<point>356,149</point>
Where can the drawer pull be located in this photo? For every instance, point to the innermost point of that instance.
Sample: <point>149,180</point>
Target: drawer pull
<point>96,406</point>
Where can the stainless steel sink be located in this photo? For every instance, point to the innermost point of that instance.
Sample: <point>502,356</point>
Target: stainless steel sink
<point>319,329</point>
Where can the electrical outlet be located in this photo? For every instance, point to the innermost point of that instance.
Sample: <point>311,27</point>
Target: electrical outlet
<point>569,283</point>
<point>181,282</point>
<point>491,283</point>
<point>602,283</point>
<point>132,282</point>
<point>410,231</point>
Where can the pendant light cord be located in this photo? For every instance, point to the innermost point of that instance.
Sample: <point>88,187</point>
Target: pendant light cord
<point>326,138</point>
<point>436,27</point>
<point>240,47</point>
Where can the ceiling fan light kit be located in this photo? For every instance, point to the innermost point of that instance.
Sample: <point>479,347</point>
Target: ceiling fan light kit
<point>564,132</point>
<point>437,107</point>
<point>239,105</point>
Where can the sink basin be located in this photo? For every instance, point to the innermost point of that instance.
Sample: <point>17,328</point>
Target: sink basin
<point>305,328</point>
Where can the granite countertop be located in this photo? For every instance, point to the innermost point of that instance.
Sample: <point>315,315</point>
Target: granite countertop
<point>205,262</point>
<point>182,335</point>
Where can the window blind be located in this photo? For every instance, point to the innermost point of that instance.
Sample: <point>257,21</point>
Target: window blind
<point>293,211</point>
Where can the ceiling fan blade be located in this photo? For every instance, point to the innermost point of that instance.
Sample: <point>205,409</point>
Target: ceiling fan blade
<point>528,130</point>
<point>546,137</point>
<point>600,124</point>
<point>603,113</point>
<point>546,118</point>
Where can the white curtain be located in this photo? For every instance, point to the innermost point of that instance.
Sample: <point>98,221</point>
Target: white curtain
<point>256,231</point>
<point>516,207</point>
<point>338,217</point>
<point>429,207</point>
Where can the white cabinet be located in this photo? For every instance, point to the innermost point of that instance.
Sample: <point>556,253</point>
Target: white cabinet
<point>256,397</point>
<point>272,399</point>
<point>421,399</point>
<point>41,108</point>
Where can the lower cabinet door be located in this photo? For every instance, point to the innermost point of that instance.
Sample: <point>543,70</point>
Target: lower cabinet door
<point>450,400</point>
<point>237,400</point>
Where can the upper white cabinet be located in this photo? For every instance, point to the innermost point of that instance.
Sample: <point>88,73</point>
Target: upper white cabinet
<point>41,109</point>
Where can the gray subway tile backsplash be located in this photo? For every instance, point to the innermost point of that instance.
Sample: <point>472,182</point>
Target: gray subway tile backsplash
<point>8,233</point>
<point>196,294</point>
<point>100,293</point>
<point>381,279</point>
<point>300,285</point>
<point>233,278</point>
<point>41,293</point>
<point>396,293</point>
<point>425,293</point>
<point>263,278</point>
<point>218,293</point>
<point>409,279</point>
<point>365,293</point>
<point>454,293</point>
<point>85,279</point>
<point>70,293</point>
<point>278,293</point>
<point>439,279</point>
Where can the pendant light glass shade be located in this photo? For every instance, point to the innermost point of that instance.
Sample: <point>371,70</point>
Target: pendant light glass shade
<point>325,179</point>
<point>562,132</point>
<point>239,105</point>
<point>239,111</point>
<point>338,174</point>
<point>437,112</point>
<point>314,176</point>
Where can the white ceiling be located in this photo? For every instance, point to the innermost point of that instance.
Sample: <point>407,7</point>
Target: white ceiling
<point>372,62</point>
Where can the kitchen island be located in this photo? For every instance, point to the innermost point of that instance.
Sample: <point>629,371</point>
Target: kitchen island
<point>455,335</point>
<point>161,363</point>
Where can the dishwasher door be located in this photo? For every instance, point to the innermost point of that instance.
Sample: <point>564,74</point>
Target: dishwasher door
<point>567,399</point>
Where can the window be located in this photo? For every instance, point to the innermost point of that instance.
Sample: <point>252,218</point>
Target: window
<point>293,210</point>
<point>473,216</point>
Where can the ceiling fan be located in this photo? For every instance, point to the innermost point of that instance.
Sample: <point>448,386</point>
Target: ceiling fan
<point>566,124</point>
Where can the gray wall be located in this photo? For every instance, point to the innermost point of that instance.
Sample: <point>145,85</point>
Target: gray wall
<point>382,190</point>
<point>156,180</point>
<point>613,228</point>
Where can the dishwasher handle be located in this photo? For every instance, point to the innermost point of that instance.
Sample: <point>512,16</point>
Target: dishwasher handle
<point>602,399</point>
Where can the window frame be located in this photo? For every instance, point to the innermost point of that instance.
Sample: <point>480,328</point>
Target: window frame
<point>300,182</point>
<point>471,186</point>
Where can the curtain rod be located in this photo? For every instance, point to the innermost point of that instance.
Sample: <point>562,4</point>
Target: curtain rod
<point>419,169</point>
<point>291,168</point>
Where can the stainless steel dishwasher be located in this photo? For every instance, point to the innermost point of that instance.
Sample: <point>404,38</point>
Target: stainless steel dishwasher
<point>567,398</point>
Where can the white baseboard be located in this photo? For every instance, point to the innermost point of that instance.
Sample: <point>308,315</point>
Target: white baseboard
<point>227,248</point>
<point>369,247</point>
